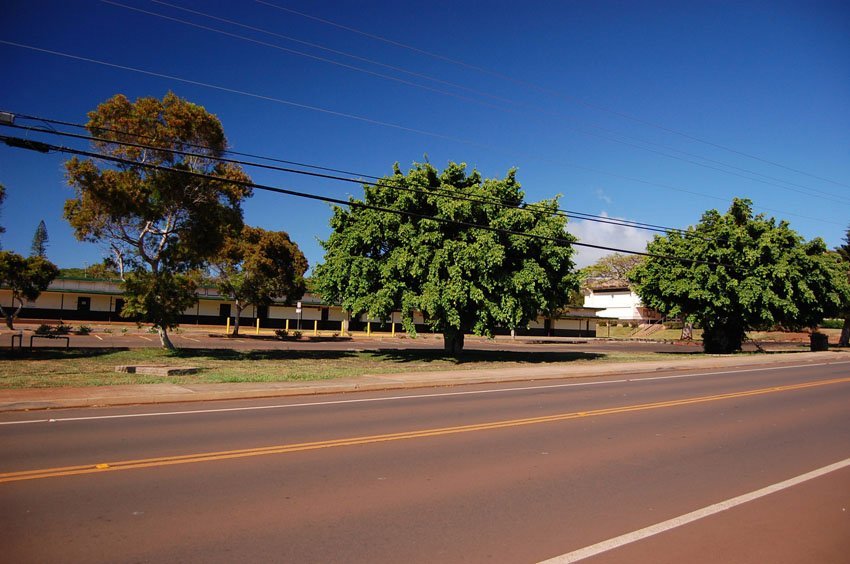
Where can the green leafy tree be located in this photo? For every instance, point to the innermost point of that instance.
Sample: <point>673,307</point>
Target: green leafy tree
<point>462,279</point>
<point>258,267</point>
<point>756,273</point>
<point>159,298</point>
<point>26,278</point>
<point>844,252</point>
<point>39,241</point>
<point>163,222</point>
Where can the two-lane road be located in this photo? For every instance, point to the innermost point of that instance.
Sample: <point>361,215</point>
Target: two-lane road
<point>626,469</point>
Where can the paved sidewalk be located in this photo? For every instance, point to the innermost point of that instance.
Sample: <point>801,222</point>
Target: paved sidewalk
<point>54,398</point>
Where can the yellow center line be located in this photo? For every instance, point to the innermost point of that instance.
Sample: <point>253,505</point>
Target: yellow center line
<point>406,435</point>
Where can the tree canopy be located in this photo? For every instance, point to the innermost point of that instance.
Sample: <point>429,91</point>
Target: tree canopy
<point>755,273</point>
<point>844,252</point>
<point>258,267</point>
<point>162,222</point>
<point>613,267</point>
<point>26,278</point>
<point>39,241</point>
<point>461,278</point>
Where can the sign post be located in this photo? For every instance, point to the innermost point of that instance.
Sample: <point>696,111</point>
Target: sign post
<point>298,311</point>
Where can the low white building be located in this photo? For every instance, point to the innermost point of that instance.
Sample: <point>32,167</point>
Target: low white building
<point>616,299</point>
<point>82,299</point>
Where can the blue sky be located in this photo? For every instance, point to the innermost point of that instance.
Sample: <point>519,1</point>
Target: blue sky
<point>591,100</point>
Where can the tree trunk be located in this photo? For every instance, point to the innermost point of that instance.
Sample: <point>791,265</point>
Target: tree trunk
<point>453,341</point>
<point>723,337</point>
<point>10,317</point>
<point>163,338</point>
<point>239,309</point>
<point>844,340</point>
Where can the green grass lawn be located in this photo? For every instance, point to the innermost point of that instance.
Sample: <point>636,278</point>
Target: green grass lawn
<point>96,367</point>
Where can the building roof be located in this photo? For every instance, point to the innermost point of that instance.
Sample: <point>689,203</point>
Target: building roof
<point>609,285</point>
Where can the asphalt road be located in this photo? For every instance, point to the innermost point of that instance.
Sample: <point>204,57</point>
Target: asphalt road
<point>513,473</point>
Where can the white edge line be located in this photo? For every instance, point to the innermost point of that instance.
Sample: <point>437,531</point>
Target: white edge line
<point>681,520</point>
<point>413,397</point>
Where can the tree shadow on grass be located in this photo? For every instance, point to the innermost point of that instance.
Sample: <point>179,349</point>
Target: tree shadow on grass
<point>262,354</point>
<point>400,356</point>
<point>475,356</point>
<point>49,353</point>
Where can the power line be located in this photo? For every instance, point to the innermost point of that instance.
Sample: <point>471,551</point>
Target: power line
<point>552,92</point>
<point>47,147</point>
<point>770,181</point>
<point>379,181</point>
<point>295,52</point>
<point>389,125</point>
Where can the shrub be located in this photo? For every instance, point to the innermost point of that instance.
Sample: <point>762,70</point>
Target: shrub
<point>62,329</point>
<point>281,333</point>
<point>297,334</point>
<point>832,323</point>
<point>84,330</point>
<point>43,329</point>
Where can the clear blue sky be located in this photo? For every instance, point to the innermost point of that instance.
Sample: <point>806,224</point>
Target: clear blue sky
<point>548,87</point>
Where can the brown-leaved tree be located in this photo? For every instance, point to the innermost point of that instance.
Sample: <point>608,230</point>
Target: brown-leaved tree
<point>166,222</point>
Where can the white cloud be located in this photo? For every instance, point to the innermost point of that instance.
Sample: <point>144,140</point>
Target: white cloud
<point>600,193</point>
<point>606,235</point>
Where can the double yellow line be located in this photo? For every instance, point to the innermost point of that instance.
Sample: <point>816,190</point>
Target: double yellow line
<point>352,441</point>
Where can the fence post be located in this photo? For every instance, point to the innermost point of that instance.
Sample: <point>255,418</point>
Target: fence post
<point>369,328</point>
<point>227,330</point>
<point>287,325</point>
<point>258,326</point>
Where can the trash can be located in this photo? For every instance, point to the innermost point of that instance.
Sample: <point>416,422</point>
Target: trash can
<point>819,342</point>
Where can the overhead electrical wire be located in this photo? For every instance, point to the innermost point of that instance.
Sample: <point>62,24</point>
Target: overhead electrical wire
<point>384,124</point>
<point>378,181</point>
<point>553,92</point>
<point>765,179</point>
<point>42,147</point>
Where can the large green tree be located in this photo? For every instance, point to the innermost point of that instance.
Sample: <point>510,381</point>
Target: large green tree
<point>844,252</point>
<point>258,267</point>
<point>462,279</point>
<point>162,221</point>
<point>26,278</point>
<point>755,273</point>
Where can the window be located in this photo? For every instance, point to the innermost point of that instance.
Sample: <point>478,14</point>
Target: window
<point>83,304</point>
